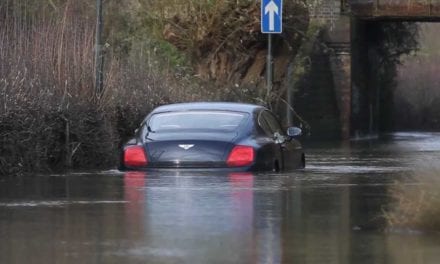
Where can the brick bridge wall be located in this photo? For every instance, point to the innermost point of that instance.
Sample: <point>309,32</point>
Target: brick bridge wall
<point>330,79</point>
<point>401,9</point>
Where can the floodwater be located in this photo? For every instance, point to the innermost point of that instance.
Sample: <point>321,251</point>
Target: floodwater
<point>332,212</point>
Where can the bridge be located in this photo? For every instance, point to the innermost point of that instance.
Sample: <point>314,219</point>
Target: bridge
<point>394,9</point>
<point>357,104</point>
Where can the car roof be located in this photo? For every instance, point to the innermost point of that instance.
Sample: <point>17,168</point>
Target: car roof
<point>222,106</point>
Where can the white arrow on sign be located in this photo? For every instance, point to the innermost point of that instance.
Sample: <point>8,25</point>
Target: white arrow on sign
<point>272,9</point>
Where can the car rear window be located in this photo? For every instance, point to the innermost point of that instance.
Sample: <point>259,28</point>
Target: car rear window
<point>197,120</point>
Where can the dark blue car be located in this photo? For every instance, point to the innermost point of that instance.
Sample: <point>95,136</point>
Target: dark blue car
<point>226,136</point>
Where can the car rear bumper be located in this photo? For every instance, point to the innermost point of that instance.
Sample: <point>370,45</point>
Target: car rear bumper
<point>195,170</point>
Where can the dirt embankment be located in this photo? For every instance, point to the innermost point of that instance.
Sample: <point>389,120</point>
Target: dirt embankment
<point>226,45</point>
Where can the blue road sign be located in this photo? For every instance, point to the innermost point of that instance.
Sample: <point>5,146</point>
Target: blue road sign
<point>271,16</point>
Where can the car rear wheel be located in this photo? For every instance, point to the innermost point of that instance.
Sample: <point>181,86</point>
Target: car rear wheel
<point>276,166</point>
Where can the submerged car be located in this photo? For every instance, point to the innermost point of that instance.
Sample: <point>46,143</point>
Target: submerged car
<point>229,136</point>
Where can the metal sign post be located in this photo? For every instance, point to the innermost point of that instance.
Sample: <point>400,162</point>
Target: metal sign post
<point>269,65</point>
<point>271,23</point>
<point>99,63</point>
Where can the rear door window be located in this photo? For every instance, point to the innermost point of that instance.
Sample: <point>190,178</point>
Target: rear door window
<point>262,122</point>
<point>269,124</point>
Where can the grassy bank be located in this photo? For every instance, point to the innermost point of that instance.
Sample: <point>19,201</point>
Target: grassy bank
<point>50,118</point>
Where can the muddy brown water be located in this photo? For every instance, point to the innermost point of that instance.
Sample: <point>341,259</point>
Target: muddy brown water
<point>329,213</point>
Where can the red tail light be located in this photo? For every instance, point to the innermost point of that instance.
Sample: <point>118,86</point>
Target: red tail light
<point>134,156</point>
<point>241,156</point>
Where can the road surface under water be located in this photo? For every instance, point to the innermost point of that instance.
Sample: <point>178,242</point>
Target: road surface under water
<point>329,213</point>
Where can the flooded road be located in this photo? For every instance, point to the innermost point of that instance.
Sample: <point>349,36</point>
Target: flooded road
<point>332,212</point>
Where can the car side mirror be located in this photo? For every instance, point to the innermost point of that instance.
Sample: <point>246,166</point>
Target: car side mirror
<point>294,131</point>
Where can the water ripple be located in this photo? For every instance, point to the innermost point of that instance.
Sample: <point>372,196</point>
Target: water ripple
<point>56,203</point>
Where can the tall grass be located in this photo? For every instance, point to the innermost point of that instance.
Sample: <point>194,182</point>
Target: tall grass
<point>50,117</point>
<point>417,207</point>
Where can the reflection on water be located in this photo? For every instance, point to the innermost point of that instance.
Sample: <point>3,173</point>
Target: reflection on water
<point>329,213</point>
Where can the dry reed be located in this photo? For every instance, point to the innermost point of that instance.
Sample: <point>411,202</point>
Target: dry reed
<point>417,206</point>
<point>50,117</point>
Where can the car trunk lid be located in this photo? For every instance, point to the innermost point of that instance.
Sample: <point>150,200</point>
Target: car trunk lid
<point>193,150</point>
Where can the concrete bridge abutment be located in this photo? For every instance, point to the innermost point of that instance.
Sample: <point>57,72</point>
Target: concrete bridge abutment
<point>337,39</point>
